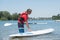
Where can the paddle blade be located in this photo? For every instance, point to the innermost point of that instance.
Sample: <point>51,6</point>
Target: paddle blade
<point>7,24</point>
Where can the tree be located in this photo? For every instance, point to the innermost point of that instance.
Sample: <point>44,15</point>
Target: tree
<point>7,15</point>
<point>56,17</point>
<point>1,14</point>
<point>14,16</point>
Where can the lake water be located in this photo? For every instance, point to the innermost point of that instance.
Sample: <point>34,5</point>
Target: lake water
<point>42,24</point>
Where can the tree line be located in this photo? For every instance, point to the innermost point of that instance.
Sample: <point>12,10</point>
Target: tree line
<point>5,15</point>
<point>56,17</point>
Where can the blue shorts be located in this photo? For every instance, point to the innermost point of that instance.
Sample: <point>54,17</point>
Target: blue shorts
<point>21,30</point>
<point>21,27</point>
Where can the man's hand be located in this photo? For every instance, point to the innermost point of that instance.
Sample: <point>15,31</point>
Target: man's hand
<point>29,29</point>
<point>28,26</point>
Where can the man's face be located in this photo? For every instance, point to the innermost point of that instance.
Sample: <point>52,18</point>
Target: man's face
<point>29,12</point>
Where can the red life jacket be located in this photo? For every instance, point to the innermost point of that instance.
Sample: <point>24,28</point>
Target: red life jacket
<point>24,15</point>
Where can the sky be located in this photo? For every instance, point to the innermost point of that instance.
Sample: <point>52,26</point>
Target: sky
<point>40,8</point>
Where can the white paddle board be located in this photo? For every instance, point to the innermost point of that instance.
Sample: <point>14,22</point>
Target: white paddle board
<point>32,33</point>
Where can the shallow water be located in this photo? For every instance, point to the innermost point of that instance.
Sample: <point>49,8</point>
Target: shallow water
<point>42,24</point>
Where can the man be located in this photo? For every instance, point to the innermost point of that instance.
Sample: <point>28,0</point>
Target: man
<point>24,18</point>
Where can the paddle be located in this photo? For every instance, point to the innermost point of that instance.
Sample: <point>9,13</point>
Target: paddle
<point>9,24</point>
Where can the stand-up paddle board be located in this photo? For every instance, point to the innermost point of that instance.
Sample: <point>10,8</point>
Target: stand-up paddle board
<point>32,33</point>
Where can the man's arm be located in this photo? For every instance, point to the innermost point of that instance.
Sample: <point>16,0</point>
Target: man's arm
<point>28,26</point>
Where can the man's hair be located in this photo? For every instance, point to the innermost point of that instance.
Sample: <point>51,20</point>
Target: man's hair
<point>29,10</point>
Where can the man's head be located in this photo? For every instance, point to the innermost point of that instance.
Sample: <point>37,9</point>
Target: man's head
<point>29,11</point>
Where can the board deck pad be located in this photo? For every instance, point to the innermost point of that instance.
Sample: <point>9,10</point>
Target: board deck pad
<point>32,33</point>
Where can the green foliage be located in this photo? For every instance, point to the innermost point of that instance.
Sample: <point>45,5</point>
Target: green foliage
<point>14,16</point>
<point>56,17</point>
<point>3,18</point>
<point>5,15</point>
<point>1,14</point>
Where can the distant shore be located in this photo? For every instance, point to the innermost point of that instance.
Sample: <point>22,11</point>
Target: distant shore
<point>5,15</point>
